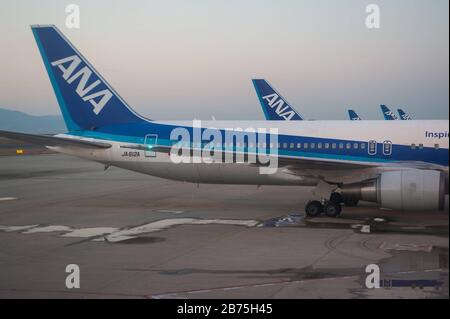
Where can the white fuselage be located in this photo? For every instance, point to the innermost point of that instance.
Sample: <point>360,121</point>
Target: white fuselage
<point>401,133</point>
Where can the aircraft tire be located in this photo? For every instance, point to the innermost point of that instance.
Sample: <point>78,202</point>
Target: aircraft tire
<point>314,208</point>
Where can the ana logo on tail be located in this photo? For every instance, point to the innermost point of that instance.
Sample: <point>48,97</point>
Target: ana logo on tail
<point>391,114</point>
<point>83,90</point>
<point>278,104</point>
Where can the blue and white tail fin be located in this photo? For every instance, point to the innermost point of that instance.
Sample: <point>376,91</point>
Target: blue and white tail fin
<point>353,116</point>
<point>275,107</point>
<point>388,114</point>
<point>86,100</point>
<point>403,115</point>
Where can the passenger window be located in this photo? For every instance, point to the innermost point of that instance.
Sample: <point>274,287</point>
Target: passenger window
<point>327,145</point>
<point>299,145</point>
<point>363,146</point>
<point>313,145</point>
<point>319,145</point>
<point>421,146</point>
<point>413,146</point>
<point>305,145</point>
<point>355,146</point>
<point>348,146</point>
<point>284,145</point>
<point>334,146</point>
<point>341,146</point>
<point>436,146</point>
<point>292,145</point>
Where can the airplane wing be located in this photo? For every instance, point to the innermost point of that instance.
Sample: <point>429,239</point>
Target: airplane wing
<point>49,140</point>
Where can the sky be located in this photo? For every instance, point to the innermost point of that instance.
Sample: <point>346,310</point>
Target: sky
<point>185,59</point>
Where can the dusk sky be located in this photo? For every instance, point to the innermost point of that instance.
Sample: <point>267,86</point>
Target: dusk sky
<point>196,58</point>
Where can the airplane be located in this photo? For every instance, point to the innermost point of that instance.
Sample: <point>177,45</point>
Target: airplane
<point>388,114</point>
<point>353,116</point>
<point>274,106</point>
<point>401,165</point>
<point>403,115</point>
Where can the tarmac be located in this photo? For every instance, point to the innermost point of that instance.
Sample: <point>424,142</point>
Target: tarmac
<point>137,236</point>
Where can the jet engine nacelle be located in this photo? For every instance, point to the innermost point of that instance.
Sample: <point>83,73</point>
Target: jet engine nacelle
<point>402,190</point>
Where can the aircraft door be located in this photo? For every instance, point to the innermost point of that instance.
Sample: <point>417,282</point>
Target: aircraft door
<point>372,149</point>
<point>150,140</point>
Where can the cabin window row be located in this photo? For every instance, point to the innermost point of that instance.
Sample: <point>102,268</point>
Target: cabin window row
<point>421,146</point>
<point>305,146</point>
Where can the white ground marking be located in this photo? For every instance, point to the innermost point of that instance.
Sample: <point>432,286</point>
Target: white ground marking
<point>170,211</point>
<point>48,229</point>
<point>167,223</point>
<point>113,234</point>
<point>90,232</point>
<point>406,247</point>
<point>365,229</point>
<point>7,198</point>
<point>16,228</point>
<point>281,283</point>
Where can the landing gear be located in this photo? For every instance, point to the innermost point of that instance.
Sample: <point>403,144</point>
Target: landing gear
<point>329,201</point>
<point>336,198</point>
<point>332,209</point>
<point>314,208</point>
<point>339,199</point>
<point>351,202</point>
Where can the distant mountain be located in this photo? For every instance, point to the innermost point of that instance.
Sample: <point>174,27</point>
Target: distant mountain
<point>21,122</point>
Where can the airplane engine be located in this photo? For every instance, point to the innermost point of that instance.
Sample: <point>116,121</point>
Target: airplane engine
<point>407,190</point>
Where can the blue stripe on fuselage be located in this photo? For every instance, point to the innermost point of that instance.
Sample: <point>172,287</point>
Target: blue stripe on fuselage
<point>135,133</point>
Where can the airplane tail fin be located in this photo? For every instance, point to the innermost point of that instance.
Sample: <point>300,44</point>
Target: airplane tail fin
<point>353,116</point>
<point>388,114</point>
<point>403,115</point>
<point>86,100</point>
<point>274,106</point>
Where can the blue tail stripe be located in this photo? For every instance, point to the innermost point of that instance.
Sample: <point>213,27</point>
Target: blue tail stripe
<point>71,125</point>
<point>86,100</point>
<point>275,107</point>
<point>403,115</point>
<point>353,116</point>
<point>388,114</point>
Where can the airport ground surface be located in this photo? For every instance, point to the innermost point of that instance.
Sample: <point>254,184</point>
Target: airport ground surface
<point>136,236</point>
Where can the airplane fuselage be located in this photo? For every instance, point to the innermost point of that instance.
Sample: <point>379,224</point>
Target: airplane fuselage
<point>381,144</point>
